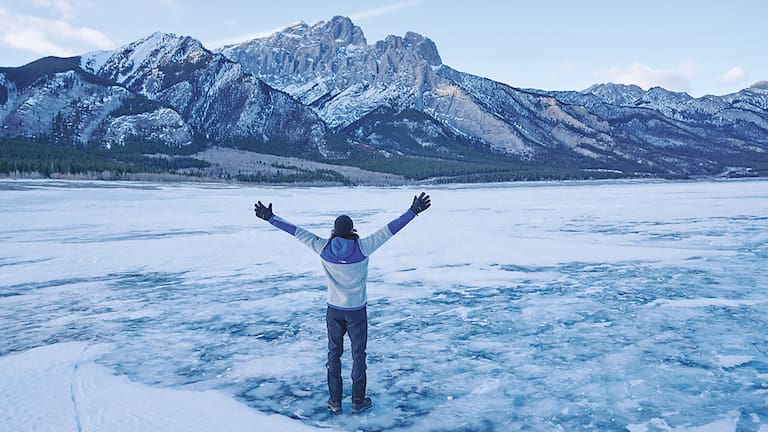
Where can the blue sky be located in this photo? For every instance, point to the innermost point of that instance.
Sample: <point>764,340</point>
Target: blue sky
<point>700,47</point>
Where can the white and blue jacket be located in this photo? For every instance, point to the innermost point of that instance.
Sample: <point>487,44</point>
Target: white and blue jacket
<point>345,261</point>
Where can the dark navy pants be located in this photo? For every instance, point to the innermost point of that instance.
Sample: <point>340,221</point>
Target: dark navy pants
<point>355,323</point>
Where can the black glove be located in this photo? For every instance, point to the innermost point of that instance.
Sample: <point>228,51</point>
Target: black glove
<point>263,211</point>
<point>420,203</point>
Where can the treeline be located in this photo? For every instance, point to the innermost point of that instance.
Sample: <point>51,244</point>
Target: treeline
<point>24,156</point>
<point>475,166</point>
<point>532,175</point>
<point>302,176</point>
<point>273,147</point>
<point>456,171</point>
<point>417,168</point>
<point>47,157</point>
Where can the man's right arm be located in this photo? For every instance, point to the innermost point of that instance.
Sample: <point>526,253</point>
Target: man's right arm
<point>314,242</point>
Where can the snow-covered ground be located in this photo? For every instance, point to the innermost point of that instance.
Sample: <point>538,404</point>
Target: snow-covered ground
<point>638,306</point>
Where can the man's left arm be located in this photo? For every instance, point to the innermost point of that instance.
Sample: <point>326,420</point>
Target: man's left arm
<point>368,245</point>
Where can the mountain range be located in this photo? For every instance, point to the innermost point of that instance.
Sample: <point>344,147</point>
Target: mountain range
<point>322,92</point>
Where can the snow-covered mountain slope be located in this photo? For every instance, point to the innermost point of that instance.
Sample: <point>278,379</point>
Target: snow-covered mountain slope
<point>54,97</point>
<point>734,121</point>
<point>213,94</point>
<point>330,67</point>
<point>323,90</point>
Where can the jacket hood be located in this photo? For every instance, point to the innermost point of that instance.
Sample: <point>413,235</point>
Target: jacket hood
<point>342,247</point>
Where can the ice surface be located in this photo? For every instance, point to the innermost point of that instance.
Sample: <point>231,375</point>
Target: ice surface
<point>58,387</point>
<point>634,306</point>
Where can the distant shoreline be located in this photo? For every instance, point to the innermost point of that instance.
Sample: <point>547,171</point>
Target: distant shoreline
<point>170,179</point>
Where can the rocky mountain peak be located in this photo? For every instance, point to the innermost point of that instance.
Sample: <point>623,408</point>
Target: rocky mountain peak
<point>424,47</point>
<point>413,46</point>
<point>337,32</point>
<point>296,28</point>
<point>144,54</point>
<point>616,94</point>
<point>613,88</point>
<point>341,30</point>
<point>660,94</point>
<point>760,85</point>
<point>329,66</point>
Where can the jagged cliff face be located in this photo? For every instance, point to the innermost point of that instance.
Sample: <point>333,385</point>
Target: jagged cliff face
<point>316,63</point>
<point>330,67</point>
<point>55,98</point>
<point>214,95</point>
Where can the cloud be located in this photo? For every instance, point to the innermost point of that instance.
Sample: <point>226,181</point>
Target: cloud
<point>734,75</point>
<point>678,79</point>
<point>48,36</point>
<point>384,10</point>
<point>35,41</point>
<point>64,8</point>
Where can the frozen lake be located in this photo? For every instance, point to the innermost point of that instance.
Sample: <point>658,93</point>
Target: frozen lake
<point>617,306</point>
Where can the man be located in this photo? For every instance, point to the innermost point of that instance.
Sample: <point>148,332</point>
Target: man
<point>344,257</point>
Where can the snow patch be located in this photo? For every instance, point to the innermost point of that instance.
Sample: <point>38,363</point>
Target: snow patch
<point>141,51</point>
<point>95,60</point>
<point>703,302</point>
<point>726,424</point>
<point>60,387</point>
<point>729,361</point>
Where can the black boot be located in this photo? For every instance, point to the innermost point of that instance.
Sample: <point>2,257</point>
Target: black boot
<point>358,407</point>
<point>334,390</point>
<point>360,403</point>
<point>334,406</point>
<point>358,389</point>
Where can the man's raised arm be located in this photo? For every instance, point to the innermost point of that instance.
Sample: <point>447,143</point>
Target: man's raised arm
<point>315,242</point>
<point>368,245</point>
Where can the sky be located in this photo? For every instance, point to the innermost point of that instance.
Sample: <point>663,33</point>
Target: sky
<point>699,47</point>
